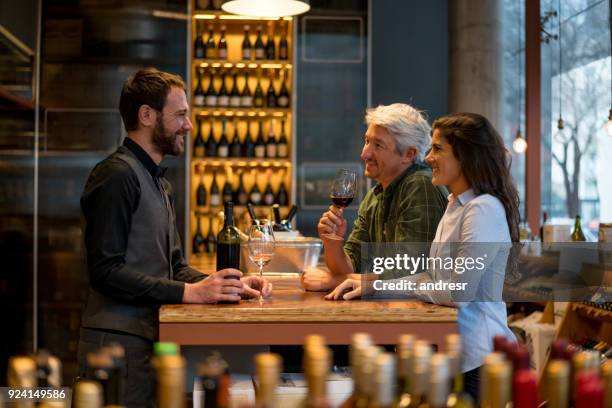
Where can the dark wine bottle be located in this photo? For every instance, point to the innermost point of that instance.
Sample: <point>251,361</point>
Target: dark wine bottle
<point>271,148</point>
<point>211,47</point>
<point>246,99</point>
<point>222,49</point>
<point>199,147</point>
<point>260,146</point>
<point>223,147</point>
<point>258,97</point>
<point>228,193</point>
<point>235,149</point>
<point>199,243</point>
<point>223,97</point>
<point>211,240</point>
<point>228,241</point>
<point>271,94</point>
<point>282,196</point>
<point>268,196</point>
<point>255,194</point>
<point>201,194</point>
<point>283,147</point>
<point>211,94</point>
<point>242,198</point>
<point>211,142</point>
<point>234,98</point>
<point>246,44</point>
<point>283,95</point>
<point>198,94</point>
<point>199,48</point>
<point>283,47</point>
<point>260,52</point>
<point>215,197</point>
<point>270,47</point>
<point>248,148</point>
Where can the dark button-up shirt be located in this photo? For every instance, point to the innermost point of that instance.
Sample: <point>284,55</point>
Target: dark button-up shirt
<point>111,196</point>
<point>407,211</point>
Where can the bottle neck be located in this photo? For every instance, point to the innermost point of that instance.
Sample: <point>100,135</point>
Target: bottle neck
<point>229,217</point>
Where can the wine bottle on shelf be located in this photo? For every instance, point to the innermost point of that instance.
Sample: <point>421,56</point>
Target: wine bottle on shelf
<point>270,47</point>
<point>268,196</point>
<point>228,193</point>
<point>215,196</point>
<point>271,148</point>
<point>211,47</point>
<point>267,373</point>
<point>223,147</point>
<point>201,195</point>
<point>248,148</point>
<point>317,361</point>
<point>87,394</point>
<point>246,44</point>
<point>260,52</point>
<point>211,142</point>
<point>199,147</point>
<point>242,198</point>
<point>282,148</point>
<point>170,368</point>
<point>222,49</point>
<point>577,234</point>
<point>213,376</point>
<point>223,97</point>
<point>234,98</point>
<point>258,97</point>
<point>271,94</point>
<point>544,219</point>
<point>283,46</point>
<point>282,196</point>
<point>260,146</point>
<point>255,193</point>
<point>199,243</point>
<point>198,94</point>
<point>228,241</point>
<point>246,99</point>
<point>384,381</point>
<point>211,240</point>
<point>235,149</point>
<point>199,48</point>
<point>211,94</point>
<point>283,95</point>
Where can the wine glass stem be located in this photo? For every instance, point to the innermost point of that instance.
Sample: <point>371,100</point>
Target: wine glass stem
<point>261,276</point>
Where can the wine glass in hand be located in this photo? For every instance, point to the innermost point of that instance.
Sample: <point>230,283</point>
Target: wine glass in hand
<point>342,193</point>
<point>261,245</point>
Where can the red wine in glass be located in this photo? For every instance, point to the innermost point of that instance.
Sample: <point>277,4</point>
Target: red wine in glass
<point>342,193</point>
<point>342,202</point>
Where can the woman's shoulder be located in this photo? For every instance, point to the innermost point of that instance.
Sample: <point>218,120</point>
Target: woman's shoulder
<point>488,204</point>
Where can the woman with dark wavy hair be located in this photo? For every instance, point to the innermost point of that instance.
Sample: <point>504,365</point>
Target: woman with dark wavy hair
<point>468,156</point>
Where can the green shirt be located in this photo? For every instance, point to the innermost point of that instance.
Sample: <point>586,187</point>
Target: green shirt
<point>408,210</point>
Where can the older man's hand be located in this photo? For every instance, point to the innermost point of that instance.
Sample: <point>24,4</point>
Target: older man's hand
<point>319,280</point>
<point>347,290</point>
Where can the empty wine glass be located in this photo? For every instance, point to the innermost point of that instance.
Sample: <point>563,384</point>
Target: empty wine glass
<point>261,245</point>
<point>342,193</point>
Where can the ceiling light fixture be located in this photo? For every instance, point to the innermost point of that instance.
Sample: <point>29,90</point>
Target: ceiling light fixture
<point>266,8</point>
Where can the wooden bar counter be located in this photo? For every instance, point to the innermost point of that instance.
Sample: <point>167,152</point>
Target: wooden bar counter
<point>291,313</point>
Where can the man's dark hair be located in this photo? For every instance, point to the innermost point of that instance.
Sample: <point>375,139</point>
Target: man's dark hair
<point>148,86</point>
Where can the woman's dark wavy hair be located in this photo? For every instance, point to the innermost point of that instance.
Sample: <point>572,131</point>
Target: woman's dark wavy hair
<point>484,159</point>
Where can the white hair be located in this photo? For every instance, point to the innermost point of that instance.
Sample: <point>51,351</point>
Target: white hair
<point>406,124</point>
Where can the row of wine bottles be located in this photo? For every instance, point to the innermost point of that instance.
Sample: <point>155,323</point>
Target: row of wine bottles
<point>239,98</point>
<point>271,148</point>
<point>258,50</point>
<point>239,195</point>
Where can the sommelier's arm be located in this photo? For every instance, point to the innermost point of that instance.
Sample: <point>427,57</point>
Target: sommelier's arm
<point>110,198</point>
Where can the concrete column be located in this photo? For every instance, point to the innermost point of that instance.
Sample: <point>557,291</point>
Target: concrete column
<point>475,74</point>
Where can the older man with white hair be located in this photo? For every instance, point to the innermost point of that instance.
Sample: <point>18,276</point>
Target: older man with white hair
<point>403,206</point>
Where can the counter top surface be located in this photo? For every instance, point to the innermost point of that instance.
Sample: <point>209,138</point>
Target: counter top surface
<point>290,303</point>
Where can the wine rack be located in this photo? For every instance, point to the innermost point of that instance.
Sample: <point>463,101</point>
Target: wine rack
<point>238,95</point>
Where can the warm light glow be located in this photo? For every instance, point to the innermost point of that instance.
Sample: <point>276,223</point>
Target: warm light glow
<point>237,17</point>
<point>520,144</point>
<point>266,8</point>
<point>204,16</point>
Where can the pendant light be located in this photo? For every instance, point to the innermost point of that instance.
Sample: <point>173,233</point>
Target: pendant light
<point>560,135</point>
<point>519,145</point>
<point>266,8</point>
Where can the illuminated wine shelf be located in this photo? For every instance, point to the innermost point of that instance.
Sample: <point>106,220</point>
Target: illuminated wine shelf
<point>242,112</point>
<point>240,162</point>
<point>256,64</point>
<point>228,18</point>
<point>215,210</point>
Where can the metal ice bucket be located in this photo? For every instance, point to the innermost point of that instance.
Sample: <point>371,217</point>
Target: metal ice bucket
<point>292,255</point>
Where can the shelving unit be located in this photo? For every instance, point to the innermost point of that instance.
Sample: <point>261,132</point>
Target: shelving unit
<point>241,121</point>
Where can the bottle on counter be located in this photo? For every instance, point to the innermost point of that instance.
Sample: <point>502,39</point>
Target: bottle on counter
<point>228,241</point>
<point>577,234</point>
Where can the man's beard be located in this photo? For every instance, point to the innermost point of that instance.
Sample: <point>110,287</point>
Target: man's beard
<point>165,141</point>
